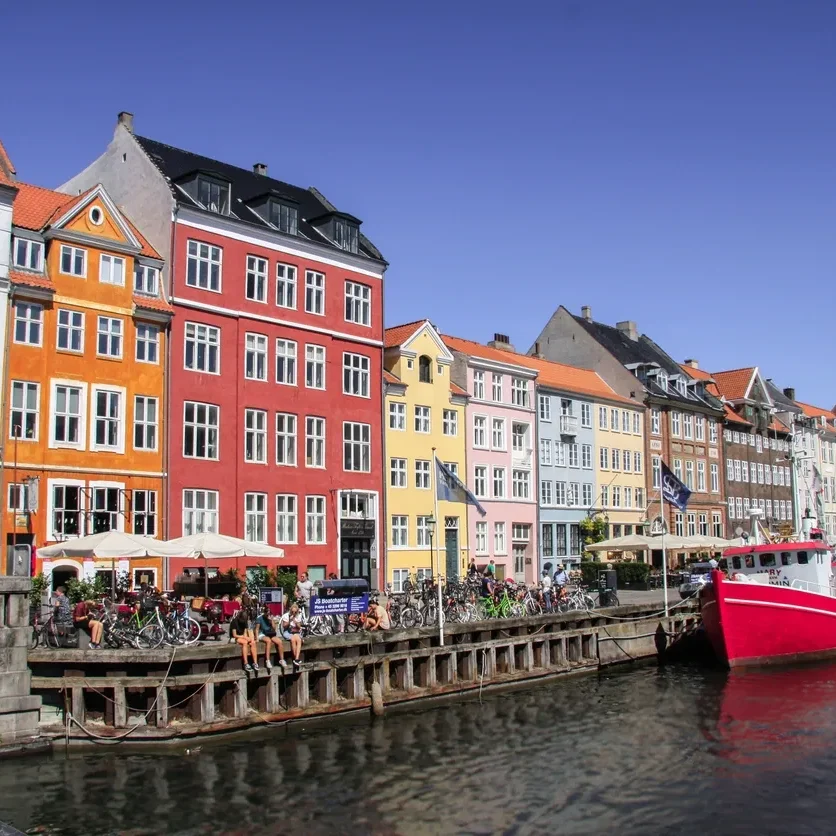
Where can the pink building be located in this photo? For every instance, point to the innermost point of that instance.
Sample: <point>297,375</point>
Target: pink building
<point>501,465</point>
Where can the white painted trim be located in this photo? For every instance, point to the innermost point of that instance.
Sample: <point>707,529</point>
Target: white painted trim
<point>123,417</point>
<point>227,230</point>
<point>216,512</point>
<point>495,365</point>
<point>324,540</point>
<point>120,516</point>
<point>207,344</point>
<point>61,259</point>
<point>99,191</point>
<point>208,426</point>
<point>223,311</point>
<point>156,424</point>
<point>54,382</point>
<point>61,468</point>
<point>775,605</point>
<point>76,483</point>
<point>12,439</point>
<point>445,355</point>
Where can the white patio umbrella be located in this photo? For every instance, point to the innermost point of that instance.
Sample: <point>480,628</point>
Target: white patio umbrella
<point>638,542</point>
<point>210,545</point>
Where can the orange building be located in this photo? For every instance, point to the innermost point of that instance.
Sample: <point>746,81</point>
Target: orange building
<point>84,381</point>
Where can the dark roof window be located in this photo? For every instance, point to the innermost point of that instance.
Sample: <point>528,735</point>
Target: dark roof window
<point>213,195</point>
<point>346,235</point>
<point>284,217</point>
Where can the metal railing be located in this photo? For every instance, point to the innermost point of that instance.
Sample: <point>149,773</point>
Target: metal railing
<point>817,588</point>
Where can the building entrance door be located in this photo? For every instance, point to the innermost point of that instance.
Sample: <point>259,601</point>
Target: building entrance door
<point>355,558</point>
<point>451,546</point>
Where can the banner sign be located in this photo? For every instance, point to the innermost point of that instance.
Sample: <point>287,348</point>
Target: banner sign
<point>337,605</point>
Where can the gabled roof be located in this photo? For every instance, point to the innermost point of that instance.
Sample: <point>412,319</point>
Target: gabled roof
<point>399,334</point>
<point>704,376</point>
<point>779,398</point>
<point>8,175</point>
<point>245,186</point>
<point>734,385</point>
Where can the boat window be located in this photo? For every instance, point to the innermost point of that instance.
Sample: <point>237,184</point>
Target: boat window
<point>785,558</point>
<point>767,560</point>
<point>750,561</point>
<point>735,562</point>
<point>802,557</point>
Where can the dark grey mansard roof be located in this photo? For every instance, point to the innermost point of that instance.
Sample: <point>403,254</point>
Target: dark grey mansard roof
<point>779,398</point>
<point>644,351</point>
<point>246,185</point>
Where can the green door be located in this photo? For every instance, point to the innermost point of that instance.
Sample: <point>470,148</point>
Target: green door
<point>451,546</point>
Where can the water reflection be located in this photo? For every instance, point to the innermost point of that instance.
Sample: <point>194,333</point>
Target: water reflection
<point>637,751</point>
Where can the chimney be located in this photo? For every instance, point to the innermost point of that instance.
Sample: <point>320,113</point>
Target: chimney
<point>501,343</point>
<point>789,392</point>
<point>537,353</point>
<point>126,120</point>
<point>586,313</point>
<point>692,363</point>
<point>628,327</point>
<point>260,168</point>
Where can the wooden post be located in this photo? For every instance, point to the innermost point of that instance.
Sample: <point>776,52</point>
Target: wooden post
<point>161,707</point>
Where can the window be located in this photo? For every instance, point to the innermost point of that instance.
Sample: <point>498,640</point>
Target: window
<point>628,497</point>
<point>480,431</point>
<point>519,438</point>
<point>586,456</point>
<point>422,419</point>
<point>73,261</point>
<point>637,424</point>
<point>358,303</point>
<point>701,476</point>
<point>519,391</point>
<point>28,323</point>
<point>730,470</point>
<point>450,422</point>
<point>655,421</point>
<point>400,532</point>
<point>66,511</point>
<point>285,439</point>
<point>616,496</point>
<point>422,531</point>
<point>315,519</point>
<point>356,375</point>
<point>739,506</point>
<point>614,419</point>
<point>676,423</point>
<point>587,495</point>
<point>146,279</point>
<point>679,525</point>
<point>692,525</point>
<point>346,235</point>
<point>147,343</point>
<point>357,447</point>
<point>700,427</point>
<point>70,330</point>
<point>677,468</point>
<point>574,496</point>
<point>397,416</point>
<point>767,476</point>
<point>717,525</point>
<point>203,266</point>
<point>67,415</point>
<point>625,421</point>
<point>112,270</point>
<point>640,498</point>
<point>422,474</point>
<point>616,459</point>
<point>144,512</point>
<point>286,362</point>
<point>712,432</point>
<point>314,442</point>
<point>285,218</point>
<point>255,357</point>
<point>479,385</point>
<point>545,407</point>
<point>286,286</point>
<point>604,458</point>
<point>200,512</point>
<point>109,337</point>
<point>255,517</point>
<point>481,538</point>
<point>603,412</point>
<point>521,484</point>
<point>744,471</point>
<point>586,415</point>
<point>213,195</point>
<point>688,421</point>
<point>545,451</point>
<point>480,480</point>
<point>499,545</point>
<point>145,423</point>
<point>286,518</point>
<point>760,472</point>
<point>637,461</point>
<point>200,430</point>
<point>559,454</point>
<point>397,473</point>
<point>546,494</point>
<point>107,426</point>
<point>202,348</point>
<point>105,509</point>
<point>657,471</point>
<point>498,433</point>
<point>255,436</point>
<point>499,483</point>
<point>715,478</point>
<point>496,393</point>
<point>256,286</point>
<point>315,292</point>
<point>28,254</point>
<point>23,421</point>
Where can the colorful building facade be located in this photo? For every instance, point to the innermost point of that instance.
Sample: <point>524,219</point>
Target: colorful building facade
<point>85,386</point>
<point>425,415</point>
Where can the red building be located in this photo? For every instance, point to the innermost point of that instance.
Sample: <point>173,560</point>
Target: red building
<point>275,371</point>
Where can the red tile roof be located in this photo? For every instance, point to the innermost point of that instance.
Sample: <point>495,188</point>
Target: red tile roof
<point>31,279</point>
<point>734,384</point>
<point>399,334</point>
<point>388,377</point>
<point>457,390</point>
<point>699,374</point>
<point>34,206</point>
<point>731,415</point>
<point>817,412</point>
<point>7,169</point>
<point>152,303</point>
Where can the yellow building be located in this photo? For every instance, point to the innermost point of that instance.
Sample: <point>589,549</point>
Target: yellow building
<point>621,466</point>
<point>424,417</point>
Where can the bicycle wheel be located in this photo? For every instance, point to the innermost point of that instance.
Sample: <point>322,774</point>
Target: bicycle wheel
<point>192,631</point>
<point>36,638</point>
<point>533,607</point>
<point>318,627</point>
<point>517,609</point>
<point>53,639</point>
<point>410,617</point>
<point>150,636</point>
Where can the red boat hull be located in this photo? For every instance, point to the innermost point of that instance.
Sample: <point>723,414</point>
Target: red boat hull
<point>760,624</point>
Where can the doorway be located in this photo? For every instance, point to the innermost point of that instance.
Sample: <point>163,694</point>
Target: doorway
<point>451,546</point>
<point>355,558</point>
<point>62,574</point>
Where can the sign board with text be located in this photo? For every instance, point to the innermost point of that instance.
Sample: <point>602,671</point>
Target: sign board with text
<point>339,605</point>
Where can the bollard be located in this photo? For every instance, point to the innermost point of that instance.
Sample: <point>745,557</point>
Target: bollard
<point>377,699</point>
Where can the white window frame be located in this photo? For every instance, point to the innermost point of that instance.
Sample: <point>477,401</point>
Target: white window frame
<point>256,269</point>
<point>70,328</point>
<point>54,443</point>
<point>201,252</point>
<point>499,476</point>
<point>544,405</point>
<point>108,264</point>
<point>110,335</point>
<point>29,322</point>
<point>480,425</point>
<point>500,538</point>
<point>423,420</point>
<point>255,436</point>
<point>255,347</point>
<point>286,359</point>
<point>357,375</point>
<point>288,532</point>
<point>207,510</point>
<point>500,425</point>
<point>286,286</point>
<point>73,253</point>
<point>146,279</point>
<point>397,472</point>
<point>479,385</point>
<point>315,292</point>
<point>149,512</point>
<point>202,334</point>
<point>315,442</point>
<point>255,517</point>
<point>147,336</point>
<point>480,481</point>
<point>315,366</point>
<point>397,416</point>
<point>286,439</point>
<point>481,544</point>
<point>519,392</point>
<point>358,303</point>
<point>52,532</point>
<point>316,522</point>
<point>586,415</point>
<point>24,410</point>
<point>145,423</point>
<point>95,389</point>
<point>207,429</point>
<point>363,446</point>
<point>29,247</point>
<point>450,422</point>
<point>400,540</point>
<point>521,484</point>
<point>423,479</point>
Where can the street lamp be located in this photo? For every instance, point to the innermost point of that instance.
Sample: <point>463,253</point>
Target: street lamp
<point>431,522</point>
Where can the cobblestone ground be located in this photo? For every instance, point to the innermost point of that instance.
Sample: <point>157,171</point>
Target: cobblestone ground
<point>630,596</point>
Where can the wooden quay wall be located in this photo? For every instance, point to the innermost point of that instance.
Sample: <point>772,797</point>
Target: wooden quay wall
<point>176,693</point>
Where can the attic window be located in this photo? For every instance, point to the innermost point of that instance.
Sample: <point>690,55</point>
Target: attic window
<point>213,195</point>
<point>425,369</point>
<point>680,385</point>
<point>96,216</point>
<point>346,235</point>
<point>284,217</point>
<point>662,379</point>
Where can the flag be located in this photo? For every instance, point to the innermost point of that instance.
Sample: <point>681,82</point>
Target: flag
<point>448,486</point>
<point>818,494</point>
<point>673,490</point>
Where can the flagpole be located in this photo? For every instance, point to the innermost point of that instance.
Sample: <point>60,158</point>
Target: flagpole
<point>438,530</point>
<point>664,548</point>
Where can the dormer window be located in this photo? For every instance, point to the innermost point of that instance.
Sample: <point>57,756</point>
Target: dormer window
<point>28,254</point>
<point>680,386</point>
<point>213,195</point>
<point>346,235</point>
<point>146,279</point>
<point>284,217</point>
<point>662,379</point>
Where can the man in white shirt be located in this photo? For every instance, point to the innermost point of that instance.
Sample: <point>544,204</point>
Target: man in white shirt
<point>546,583</point>
<point>303,591</point>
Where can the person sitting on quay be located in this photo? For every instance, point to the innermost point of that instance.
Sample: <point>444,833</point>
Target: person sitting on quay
<point>83,620</point>
<point>266,628</point>
<point>61,608</point>
<point>291,625</point>
<point>241,630</point>
<point>377,617</point>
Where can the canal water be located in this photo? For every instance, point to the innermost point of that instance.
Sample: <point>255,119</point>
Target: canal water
<point>633,751</point>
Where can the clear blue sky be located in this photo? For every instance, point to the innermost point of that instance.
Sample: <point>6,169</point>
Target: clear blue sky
<point>667,162</point>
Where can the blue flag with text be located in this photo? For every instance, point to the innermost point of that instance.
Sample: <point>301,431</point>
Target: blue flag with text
<point>448,486</point>
<point>673,490</point>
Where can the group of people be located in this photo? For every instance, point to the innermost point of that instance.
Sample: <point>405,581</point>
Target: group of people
<point>247,628</point>
<point>552,587</point>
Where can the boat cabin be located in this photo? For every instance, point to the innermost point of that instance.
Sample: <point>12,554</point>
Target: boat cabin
<point>806,565</point>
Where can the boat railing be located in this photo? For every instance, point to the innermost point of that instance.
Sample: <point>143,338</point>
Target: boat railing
<point>810,586</point>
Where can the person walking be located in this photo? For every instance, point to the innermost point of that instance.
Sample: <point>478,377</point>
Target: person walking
<point>546,584</point>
